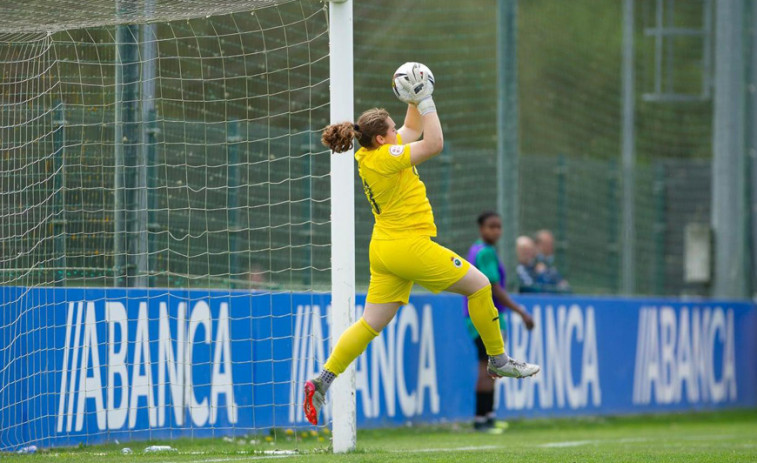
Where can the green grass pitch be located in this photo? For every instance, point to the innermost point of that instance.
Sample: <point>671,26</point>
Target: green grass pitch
<point>701,437</point>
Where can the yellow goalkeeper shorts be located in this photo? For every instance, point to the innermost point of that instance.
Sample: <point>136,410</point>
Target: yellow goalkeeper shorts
<point>397,264</point>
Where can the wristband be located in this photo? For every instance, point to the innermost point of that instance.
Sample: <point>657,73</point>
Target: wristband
<point>426,106</point>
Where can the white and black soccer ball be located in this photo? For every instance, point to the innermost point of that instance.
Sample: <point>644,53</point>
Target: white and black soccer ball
<point>417,73</point>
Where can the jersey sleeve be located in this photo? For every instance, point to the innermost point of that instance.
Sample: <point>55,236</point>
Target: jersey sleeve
<point>487,262</point>
<point>391,159</point>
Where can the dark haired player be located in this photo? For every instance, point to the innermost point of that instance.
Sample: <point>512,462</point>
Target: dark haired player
<point>483,256</point>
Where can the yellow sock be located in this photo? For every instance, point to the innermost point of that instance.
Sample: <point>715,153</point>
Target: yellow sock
<point>350,345</point>
<point>485,318</point>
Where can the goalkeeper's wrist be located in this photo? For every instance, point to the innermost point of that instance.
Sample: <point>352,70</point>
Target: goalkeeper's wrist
<point>426,106</point>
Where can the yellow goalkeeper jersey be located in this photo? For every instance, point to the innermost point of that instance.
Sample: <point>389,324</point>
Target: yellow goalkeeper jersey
<point>395,192</point>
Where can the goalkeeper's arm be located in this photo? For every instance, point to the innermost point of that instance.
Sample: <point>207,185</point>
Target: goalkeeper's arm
<point>433,140</point>
<point>412,129</point>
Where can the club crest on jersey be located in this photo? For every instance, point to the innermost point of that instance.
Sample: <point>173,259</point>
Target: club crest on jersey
<point>457,262</point>
<point>396,150</point>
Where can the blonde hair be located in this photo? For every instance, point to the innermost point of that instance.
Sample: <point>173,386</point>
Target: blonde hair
<point>339,137</point>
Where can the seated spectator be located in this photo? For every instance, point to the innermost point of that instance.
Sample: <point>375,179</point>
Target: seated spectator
<point>549,277</point>
<point>528,279</point>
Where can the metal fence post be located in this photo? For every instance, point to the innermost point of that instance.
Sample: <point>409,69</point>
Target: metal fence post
<point>751,129</point>
<point>130,202</point>
<point>628,155</point>
<point>233,140</point>
<point>507,128</point>
<point>59,222</point>
<point>149,140</point>
<point>562,207</point>
<point>729,162</point>
<point>659,228</point>
<point>612,225</point>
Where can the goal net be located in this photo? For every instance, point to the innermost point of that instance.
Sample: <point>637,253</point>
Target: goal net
<point>164,217</point>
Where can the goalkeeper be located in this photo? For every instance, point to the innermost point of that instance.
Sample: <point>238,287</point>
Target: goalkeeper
<point>401,250</point>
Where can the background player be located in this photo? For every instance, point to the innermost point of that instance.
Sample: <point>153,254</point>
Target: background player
<point>483,255</point>
<point>401,250</point>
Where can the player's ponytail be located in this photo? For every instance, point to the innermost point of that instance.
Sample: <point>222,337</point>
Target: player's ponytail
<point>339,137</point>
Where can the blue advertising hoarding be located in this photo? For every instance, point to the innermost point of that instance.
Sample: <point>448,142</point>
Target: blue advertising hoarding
<point>94,365</point>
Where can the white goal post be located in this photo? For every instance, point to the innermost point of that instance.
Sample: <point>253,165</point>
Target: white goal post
<point>164,202</point>
<point>342,218</point>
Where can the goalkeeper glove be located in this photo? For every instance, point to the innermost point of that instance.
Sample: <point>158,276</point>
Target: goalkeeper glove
<point>417,85</point>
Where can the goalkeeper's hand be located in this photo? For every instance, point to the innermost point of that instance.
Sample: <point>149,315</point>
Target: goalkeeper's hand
<point>418,87</point>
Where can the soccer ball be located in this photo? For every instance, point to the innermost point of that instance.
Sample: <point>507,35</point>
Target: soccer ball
<point>417,73</point>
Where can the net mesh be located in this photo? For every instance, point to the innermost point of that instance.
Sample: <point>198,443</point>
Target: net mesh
<point>46,16</point>
<point>170,145</point>
<point>231,192</point>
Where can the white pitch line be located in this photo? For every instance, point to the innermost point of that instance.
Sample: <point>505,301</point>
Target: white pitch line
<point>472,448</point>
<point>578,443</point>
<point>570,443</point>
<point>627,440</point>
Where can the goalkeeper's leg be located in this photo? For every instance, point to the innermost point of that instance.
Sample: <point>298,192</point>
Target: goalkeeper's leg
<point>350,345</point>
<point>485,318</point>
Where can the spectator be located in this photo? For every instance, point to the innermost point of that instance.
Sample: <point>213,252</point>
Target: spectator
<point>528,278</point>
<point>548,275</point>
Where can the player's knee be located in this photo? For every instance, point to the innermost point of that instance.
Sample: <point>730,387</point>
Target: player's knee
<point>376,324</point>
<point>478,280</point>
<point>377,316</point>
